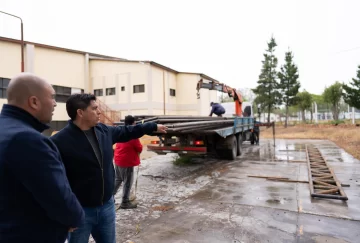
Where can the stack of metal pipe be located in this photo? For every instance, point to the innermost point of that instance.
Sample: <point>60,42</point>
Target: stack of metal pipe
<point>181,124</point>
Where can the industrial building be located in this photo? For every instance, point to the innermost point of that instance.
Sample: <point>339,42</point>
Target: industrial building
<point>122,86</point>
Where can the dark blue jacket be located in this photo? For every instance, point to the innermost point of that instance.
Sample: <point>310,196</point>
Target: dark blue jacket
<point>92,185</point>
<point>217,109</point>
<point>36,202</point>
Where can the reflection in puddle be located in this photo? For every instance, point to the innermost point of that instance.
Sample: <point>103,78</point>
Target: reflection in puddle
<point>277,201</point>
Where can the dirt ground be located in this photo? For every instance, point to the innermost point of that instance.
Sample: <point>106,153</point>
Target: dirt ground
<point>345,136</point>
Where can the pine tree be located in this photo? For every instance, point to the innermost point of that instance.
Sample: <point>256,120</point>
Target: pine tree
<point>352,93</point>
<point>266,91</point>
<point>289,84</point>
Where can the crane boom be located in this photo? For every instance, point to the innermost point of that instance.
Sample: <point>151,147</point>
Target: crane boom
<point>232,92</point>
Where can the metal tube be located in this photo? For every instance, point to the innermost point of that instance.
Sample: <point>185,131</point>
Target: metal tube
<point>329,196</point>
<point>153,119</point>
<point>323,183</point>
<point>311,186</point>
<point>188,127</point>
<point>328,191</point>
<point>203,128</point>
<point>147,120</point>
<point>184,124</point>
<point>193,117</point>
<point>178,120</point>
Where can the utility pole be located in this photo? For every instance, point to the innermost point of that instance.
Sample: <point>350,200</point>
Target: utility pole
<point>22,39</point>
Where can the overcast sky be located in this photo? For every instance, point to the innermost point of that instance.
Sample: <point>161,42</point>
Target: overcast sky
<point>222,39</point>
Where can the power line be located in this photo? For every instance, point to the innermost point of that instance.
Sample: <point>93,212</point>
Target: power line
<point>352,49</point>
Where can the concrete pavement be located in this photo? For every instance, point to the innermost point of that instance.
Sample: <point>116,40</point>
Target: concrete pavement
<point>216,201</point>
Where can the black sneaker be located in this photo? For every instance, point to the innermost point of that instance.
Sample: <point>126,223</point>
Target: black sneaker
<point>128,205</point>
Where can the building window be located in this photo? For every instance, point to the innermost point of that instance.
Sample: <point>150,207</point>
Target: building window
<point>98,92</point>
<point>110,91</point>
<point>139,88</point>
<point>172,92</point>
<point>61,93</point>
<point>4,83</point>
<point>122,88</point>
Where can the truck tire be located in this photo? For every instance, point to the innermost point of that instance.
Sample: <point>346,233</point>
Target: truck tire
<point>239,144</point>
<point>232,147</point>
<point>226,148</point>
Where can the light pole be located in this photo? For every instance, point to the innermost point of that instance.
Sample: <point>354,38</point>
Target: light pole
<point>22,40</point>
<point>259,111</point>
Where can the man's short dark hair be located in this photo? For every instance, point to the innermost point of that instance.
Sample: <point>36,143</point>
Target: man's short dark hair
<point>129,120</point>
<point>78,101</point>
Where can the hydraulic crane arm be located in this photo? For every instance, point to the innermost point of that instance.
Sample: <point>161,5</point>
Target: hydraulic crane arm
<point>211,85</point>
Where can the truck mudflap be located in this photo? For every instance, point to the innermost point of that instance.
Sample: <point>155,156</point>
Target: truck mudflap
<point>177,149</point>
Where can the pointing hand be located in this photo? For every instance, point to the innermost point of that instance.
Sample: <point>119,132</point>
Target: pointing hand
<point>161,128</point>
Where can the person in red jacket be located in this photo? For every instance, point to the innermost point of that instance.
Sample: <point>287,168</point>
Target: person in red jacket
<point>126,157</point>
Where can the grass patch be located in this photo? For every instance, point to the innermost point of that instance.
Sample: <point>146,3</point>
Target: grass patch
<point>183,160</point>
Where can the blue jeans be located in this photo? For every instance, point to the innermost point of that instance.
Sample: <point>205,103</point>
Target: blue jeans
<point>99,222</point>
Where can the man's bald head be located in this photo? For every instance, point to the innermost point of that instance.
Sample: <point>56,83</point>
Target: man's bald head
<point>23,86</point>
<point>33,94</point>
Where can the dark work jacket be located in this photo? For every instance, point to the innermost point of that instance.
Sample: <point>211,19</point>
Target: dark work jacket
<point>217,109</point>
<point>92,180</point>
<point>36,201</point>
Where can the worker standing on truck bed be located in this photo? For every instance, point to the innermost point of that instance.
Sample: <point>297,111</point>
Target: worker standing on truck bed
<point>126,157</point>
<point>36,201</point>
<point>86,149</point>
<point>217,109</point>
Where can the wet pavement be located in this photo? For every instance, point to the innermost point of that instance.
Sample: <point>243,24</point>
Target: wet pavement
<point>216,201</point>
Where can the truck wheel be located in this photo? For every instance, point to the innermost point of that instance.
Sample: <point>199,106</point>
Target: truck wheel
<point>232,147</point>
<point>239,144</point>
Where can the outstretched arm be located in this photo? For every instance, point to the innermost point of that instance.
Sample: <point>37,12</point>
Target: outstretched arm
<point>126,133</point>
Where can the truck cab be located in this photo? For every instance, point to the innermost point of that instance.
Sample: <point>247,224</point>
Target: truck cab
<point>247,109</point>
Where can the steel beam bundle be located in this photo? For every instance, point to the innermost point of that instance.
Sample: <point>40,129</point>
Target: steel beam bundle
<point>181,124</point>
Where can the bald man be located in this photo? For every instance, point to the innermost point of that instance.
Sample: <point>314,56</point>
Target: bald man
<point>36,202</point>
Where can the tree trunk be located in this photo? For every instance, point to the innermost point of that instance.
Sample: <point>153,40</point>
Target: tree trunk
<point>303,115</point>
<point>336,115</point>
<point>335,112</point>
<point>286,116</point>
<point>311,115</point>
<point>268,120</point>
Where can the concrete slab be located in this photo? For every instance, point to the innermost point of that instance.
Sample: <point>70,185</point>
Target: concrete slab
<point>216,201</point>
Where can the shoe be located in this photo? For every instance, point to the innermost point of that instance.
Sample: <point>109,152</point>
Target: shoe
<point>128,205</point>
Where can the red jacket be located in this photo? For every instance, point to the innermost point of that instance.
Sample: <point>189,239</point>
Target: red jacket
<point>127,154</point>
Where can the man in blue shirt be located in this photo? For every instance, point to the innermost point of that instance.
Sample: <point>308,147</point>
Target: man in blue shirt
<point>217,109</point>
